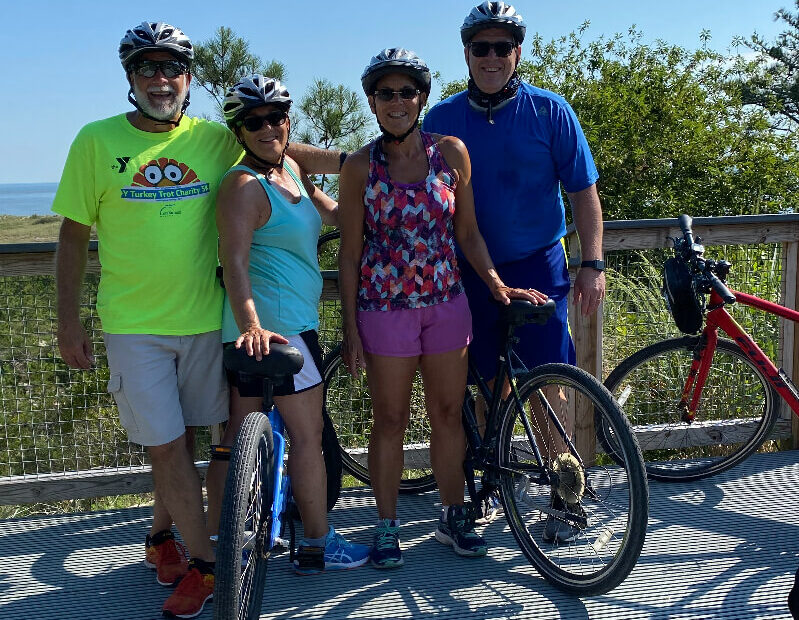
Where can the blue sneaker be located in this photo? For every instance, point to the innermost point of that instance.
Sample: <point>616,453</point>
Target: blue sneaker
<point>386,551</point>
<point>338,554</point>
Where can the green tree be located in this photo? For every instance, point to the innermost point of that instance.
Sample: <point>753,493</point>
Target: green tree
<point>775,85</point>
<point>222,60</point>
<point>333,117</point>
<point>668,127</point>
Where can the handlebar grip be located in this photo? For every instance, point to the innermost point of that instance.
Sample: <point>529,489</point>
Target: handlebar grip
<point>685,222</point>
<point>721,289</point>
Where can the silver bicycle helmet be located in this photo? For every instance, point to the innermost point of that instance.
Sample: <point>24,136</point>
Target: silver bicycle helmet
<point>493,15</point>
<point>155,37</point>
<point>395,60</point>
<point>253,92</point>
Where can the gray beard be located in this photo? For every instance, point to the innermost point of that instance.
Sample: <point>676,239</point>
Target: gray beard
<point>166,111</point>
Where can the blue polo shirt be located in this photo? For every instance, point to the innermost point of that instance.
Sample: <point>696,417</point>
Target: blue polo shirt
<point>518,165</point>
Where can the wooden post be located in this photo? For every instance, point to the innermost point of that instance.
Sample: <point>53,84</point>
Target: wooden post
<point>586,332</point>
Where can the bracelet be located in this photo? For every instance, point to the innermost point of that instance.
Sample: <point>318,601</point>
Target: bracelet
<point>341,159</point>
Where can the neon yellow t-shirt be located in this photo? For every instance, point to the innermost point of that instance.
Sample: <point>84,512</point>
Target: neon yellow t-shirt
<point>152,196</point>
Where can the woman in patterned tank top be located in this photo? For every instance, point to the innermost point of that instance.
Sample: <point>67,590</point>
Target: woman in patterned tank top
<point>405,199</point>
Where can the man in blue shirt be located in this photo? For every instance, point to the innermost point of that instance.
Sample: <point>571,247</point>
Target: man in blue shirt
<point>525,143</point>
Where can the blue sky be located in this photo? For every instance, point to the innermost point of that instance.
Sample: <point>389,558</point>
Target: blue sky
<point>60,69</point>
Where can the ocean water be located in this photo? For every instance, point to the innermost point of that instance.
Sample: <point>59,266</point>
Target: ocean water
<point>26,198</point>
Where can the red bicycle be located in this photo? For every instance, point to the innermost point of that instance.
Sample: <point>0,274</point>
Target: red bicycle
<point>701,404</point>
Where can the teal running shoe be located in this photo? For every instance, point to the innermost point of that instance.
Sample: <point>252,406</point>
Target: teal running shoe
<point>386,552</point>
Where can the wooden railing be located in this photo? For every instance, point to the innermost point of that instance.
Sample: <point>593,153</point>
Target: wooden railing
<point>38,259</point>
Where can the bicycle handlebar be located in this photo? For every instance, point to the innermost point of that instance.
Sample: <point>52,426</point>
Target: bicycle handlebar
<point>692,252</point>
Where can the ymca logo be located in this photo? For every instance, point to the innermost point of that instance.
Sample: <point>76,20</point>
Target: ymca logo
<point>164,180</point>
<point>121,165</point>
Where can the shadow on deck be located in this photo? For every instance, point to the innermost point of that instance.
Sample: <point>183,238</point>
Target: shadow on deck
<point>726,547</point>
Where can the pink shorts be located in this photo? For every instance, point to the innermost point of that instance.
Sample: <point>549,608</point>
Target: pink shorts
<point>433,329</point>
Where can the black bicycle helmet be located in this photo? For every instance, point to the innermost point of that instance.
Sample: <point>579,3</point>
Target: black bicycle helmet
<point>155,37</point>
<point>493,15</point>
<point>395,60</point>
<point>253,92</point>
<point>684,303</point>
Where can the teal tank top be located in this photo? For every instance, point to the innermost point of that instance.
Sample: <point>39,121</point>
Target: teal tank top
<point>284,269</point>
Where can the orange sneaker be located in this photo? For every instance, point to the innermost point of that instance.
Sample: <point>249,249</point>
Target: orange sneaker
<point>167,556</point>
<point>191,595</point>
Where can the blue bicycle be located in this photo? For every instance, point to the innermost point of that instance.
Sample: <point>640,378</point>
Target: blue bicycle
<point>257,504</point>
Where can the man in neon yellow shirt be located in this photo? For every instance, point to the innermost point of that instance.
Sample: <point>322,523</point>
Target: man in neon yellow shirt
<point>148,180</point>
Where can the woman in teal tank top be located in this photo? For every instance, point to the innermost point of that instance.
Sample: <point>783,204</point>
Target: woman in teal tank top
<point>269,217</point>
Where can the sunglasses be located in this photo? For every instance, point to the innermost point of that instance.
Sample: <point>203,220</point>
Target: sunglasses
<point>273,119</point>
<point>502,49</point>
<point>406,92</point>
<point>169,68</point>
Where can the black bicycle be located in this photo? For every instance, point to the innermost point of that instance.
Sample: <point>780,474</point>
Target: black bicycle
<point>257,505</point>
<point>578,515</point>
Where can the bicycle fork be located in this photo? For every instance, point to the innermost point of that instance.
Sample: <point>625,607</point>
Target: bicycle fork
<point>697,375</point>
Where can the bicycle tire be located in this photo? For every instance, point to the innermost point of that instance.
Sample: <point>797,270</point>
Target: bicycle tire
<point>614,500</point>
<point>331,450</point>
<point>350,408</point>
<point>247,515</point>
<point>649,383</point>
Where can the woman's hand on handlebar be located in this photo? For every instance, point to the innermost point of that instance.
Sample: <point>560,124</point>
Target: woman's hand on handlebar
<point>256,341</point>
<point>503,294</point>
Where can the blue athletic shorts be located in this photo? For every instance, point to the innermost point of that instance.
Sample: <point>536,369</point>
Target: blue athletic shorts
<point>545,271</point>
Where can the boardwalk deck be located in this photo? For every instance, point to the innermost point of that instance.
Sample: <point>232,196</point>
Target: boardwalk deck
<point>720,548</point>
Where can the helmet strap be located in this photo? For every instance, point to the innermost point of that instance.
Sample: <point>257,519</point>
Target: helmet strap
<point>266,163</point>
<point>387,135</point>
<point>159,121</point>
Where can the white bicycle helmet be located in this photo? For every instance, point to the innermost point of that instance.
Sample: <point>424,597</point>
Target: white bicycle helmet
<point>253,92</point>
<point>493,15</point>
<point>155,37</point>
<point>395,60</point>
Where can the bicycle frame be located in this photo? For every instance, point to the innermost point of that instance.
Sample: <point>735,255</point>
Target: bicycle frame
<point>719,318</point>
<point>480,449</point>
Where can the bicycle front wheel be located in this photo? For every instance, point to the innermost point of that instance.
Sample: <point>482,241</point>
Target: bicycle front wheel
<point>579,517</point>
<point>350,408</point>
<point>244,542</point>
<point>735,415</point>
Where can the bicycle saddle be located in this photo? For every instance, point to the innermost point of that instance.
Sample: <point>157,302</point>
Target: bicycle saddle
<point>521,312</point>
<point>283,360</point>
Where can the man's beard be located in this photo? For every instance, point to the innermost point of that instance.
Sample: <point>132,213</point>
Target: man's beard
<point>165,110</point>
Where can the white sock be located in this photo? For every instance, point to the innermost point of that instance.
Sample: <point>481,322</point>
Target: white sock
<point>444,510</point>
<point>391,522</point>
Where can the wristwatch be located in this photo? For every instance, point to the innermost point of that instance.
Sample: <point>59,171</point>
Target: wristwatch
<point>599,265</point>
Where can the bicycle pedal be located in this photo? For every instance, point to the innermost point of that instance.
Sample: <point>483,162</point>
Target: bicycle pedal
<point>311,559</point>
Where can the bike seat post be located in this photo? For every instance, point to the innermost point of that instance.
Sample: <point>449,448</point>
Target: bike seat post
<point>268,393</point>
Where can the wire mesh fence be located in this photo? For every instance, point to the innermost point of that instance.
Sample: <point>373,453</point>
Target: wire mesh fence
<point>54,419</point>
<point>635,313</point>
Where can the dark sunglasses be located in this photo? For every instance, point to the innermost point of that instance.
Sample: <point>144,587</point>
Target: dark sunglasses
<point>406,92</point>
<point>273,119</point>
<point>170,68</point>
<point>502,49</point>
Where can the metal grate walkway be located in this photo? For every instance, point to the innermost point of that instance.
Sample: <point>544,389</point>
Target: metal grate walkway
<point>720,548</point>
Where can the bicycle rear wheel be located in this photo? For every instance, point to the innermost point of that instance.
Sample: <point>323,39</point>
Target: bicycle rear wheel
<point>736,414</point>
<point>350,408</point>
<point>247,515</point>
<point>578,517</point>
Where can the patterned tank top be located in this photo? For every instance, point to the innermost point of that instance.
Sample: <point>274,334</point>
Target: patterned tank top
<point>408,256</point>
